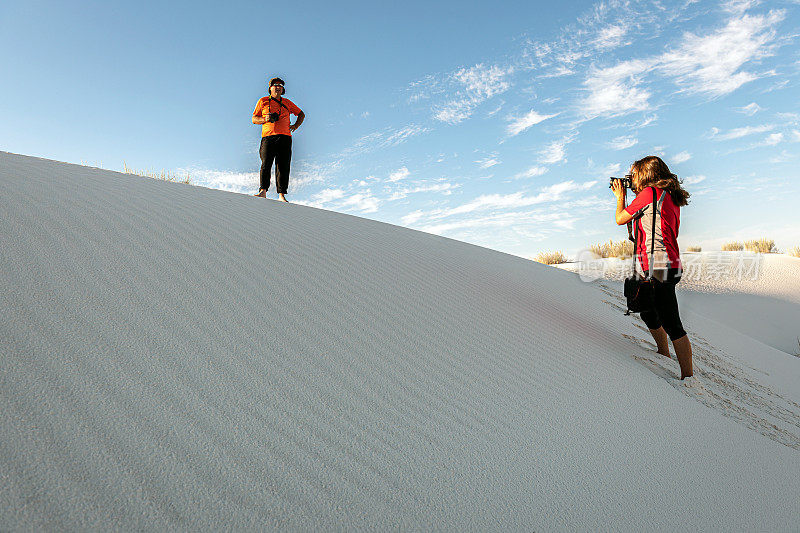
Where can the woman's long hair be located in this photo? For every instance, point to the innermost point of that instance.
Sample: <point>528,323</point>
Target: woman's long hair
<point>653,172</point>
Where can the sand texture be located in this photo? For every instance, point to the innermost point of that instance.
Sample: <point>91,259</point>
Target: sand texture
<point>181,358</point>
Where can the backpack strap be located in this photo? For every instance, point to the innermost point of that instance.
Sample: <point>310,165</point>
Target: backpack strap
<point>656,210</point>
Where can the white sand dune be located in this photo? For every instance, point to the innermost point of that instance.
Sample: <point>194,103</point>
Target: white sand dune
<point>183,358</point>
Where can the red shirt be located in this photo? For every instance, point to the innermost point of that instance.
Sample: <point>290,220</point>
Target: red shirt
<point>668,221</point>
<point>268,105</point>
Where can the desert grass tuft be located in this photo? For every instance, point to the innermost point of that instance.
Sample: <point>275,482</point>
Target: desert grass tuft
<point>763,245</point>
<point>794,252</point>
<point>163,175</point>
<point>694,249</point>
<point>621,249</point>
<point>732,247</point>
<point>550,258</point>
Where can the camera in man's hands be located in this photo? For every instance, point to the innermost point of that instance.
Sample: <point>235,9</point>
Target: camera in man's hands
<point>627,181</point>
<point>273,117</point>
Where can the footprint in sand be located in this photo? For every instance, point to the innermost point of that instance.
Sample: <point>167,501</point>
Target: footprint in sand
<point>730,388</point>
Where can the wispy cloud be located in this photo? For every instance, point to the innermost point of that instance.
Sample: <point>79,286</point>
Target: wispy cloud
<point>711,63</point>
<point>488,162</point>
<point>610,36</point>
<point>621,143</point>
<point>551,193</point>
<point>520,124</point>
<point>399,174</point>
<point>750,109</point>
<point>532,172</point>
<point>444,188</point>
<point>614,91</point>
<point>474,86</point>
<point>223,180</point>
<point>693,180</point>
<point>325,196</point>
<point>361,202</point>
<point>738,133</point>
<point>771,139</point>
<point>385,138</point>
<point>681,157</point>
<point>555,152</point>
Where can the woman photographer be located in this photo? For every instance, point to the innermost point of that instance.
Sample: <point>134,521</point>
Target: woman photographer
<point>648,175</point>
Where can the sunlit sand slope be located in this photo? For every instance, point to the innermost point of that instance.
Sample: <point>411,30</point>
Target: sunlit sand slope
<point>185,358</point>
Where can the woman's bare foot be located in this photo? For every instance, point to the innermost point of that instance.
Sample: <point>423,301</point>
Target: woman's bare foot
<point>262,193</point>
<point>282,198</point>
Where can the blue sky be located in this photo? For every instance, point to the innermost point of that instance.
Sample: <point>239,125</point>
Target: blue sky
<point>496,124</point>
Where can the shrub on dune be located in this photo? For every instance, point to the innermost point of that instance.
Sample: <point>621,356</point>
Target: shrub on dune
<point>622,248</point>
<point>550,258</point>
<point>732,247</point>
<point>763,245</point>
<point>163,175</point>
<point>694,249</point>
<point>794,252</point>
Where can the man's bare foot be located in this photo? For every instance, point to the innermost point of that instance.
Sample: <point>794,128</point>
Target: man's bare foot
<point>282,198</point>
<point>262,193</point>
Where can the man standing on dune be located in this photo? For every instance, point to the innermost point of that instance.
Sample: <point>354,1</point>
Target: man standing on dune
<point>272,112</point>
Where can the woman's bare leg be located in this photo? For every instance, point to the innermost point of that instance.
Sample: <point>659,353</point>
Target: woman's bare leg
<point>662,341</point>
<point>683,349</point>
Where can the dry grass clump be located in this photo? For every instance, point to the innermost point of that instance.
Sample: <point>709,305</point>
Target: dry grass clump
<point>732,247</point>
<point>622,248</point>
<point>163,175</point>
<point>550,258</point>
<point>794,252</point>
<point>763,245</point>
<point>694,249</point>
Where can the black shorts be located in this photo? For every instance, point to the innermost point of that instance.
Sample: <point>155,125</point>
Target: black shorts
<point>665,313</point>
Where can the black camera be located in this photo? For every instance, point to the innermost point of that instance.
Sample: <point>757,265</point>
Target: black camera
<point>273,117</point>
<point>627,181</point>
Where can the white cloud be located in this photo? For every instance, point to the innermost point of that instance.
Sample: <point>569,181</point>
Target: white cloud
<point>223,180</point>
<point>363,202</point>
<point>772,139</point>
<point>783,157</point>
<point>610,36</point>
<point>710,63</point>
<point>518,199</point>
<point>693,180</point>
<point>621,143</point>
<point>488,162</point>
<point>681,157</point>
<point>555,152</point>
<point>531,172</point>
<point>386,138</point>
<point>496,220</point>
<point>615,91</point>
<point>520,124</point>
<point>474,86</point>
<point>750,109</point>
<point>326,195</point>
<point>399,174</point>
<point>443,188</point>
<point>738,133</point>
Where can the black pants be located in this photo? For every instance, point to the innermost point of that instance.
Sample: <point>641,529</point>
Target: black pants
<point>276,148</point>
<point>665,312</point>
